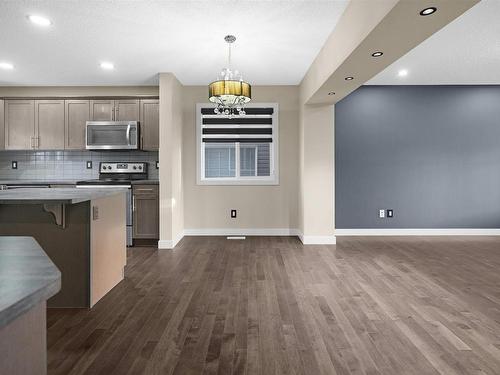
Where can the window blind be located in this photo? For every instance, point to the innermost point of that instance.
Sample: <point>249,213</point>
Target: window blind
<point>255,127</point>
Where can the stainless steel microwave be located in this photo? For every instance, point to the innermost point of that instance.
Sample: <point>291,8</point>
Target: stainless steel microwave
<point>112,135</point>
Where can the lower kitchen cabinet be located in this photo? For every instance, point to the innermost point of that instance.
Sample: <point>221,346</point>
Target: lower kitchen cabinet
<point>146,215</point>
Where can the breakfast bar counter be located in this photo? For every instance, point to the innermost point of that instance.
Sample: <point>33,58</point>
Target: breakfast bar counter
<point>27,279</point>
<point>55,195</point>
<point>83,231</point>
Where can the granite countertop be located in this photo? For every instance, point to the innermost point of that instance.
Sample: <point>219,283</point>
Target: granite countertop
<point>38,182</point>
<point>27,277</point>
<point>56,195</point>
<point>65,182</point>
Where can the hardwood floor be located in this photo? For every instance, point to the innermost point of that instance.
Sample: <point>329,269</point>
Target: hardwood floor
<point>425,305</point>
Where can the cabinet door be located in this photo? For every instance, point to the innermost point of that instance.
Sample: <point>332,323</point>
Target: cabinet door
<point>49,124</point>
<point>127,110</point>
<point>77,114</point>
<point>150,124</point>
<point>2,127</point>
<point>102,110</point>
<point>19,124</point>
<point>146,212</point>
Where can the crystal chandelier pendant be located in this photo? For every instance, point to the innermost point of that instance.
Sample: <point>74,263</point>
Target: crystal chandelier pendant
<point>230,92</point>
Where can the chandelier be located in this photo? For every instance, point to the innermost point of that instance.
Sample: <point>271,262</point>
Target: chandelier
<point>229,92</point>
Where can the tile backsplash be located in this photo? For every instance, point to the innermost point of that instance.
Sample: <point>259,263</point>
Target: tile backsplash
<point>66,165</point>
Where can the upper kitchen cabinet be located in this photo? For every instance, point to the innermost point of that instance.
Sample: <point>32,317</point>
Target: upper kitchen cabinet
<point>19,124</point>
<point>127,110</point>
<point>77,114</point>
<point>49,124</point>
<point>150,123</point>
<point>115,110</point>
<point>2,127</point>
<point>102,110</point>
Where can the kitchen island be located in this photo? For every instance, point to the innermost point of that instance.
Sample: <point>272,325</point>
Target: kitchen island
<point>27,279</point>
<point>83,231</point>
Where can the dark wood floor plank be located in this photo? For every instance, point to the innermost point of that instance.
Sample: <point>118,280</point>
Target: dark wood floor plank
<point>269,305</point>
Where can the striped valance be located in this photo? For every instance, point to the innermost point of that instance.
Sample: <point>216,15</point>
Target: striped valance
<point>255,127</point>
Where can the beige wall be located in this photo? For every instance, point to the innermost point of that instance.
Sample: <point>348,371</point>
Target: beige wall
<point>317,172</point>
<point>259,207</point>
<point>170,157</point>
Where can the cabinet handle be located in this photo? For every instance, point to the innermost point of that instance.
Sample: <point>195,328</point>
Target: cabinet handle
<point>133,204</point>
<point>142,143</point>
<point>144,189</point>
<point>37,142</point>
<point>32,145</point>
<point>116,113</point>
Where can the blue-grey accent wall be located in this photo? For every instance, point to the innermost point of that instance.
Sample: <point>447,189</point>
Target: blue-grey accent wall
<point>431,153</point>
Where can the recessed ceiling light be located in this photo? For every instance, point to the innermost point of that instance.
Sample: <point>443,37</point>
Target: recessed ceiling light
<point>349,78</point>
<point>331,93</point>
<point>377,54</point>
<point>6,66</point>
<point>39,20</point>
<point>107,66</point>
<point>403,73</point>
<point>428,11</point>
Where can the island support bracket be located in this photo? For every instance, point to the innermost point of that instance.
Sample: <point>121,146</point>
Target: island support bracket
<point>58,210</point>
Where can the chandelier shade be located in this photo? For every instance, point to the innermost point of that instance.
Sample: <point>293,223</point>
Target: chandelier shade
<point>229,92</point>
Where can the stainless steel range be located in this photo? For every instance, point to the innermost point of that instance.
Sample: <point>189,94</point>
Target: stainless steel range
<point>119,174</point>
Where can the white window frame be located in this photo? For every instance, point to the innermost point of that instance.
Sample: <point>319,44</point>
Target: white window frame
<point>272,179</point>
<point>256,159</point>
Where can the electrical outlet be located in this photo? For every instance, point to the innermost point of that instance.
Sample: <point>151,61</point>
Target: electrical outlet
<point>95,212</point>
<point>89,164</point>
<point>381,213</point>
<point>14,164</point>
<point>233,214</point>
<point>390,212</point>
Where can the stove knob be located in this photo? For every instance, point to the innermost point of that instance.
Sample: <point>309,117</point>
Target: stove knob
<point>140,166</point>
<point>109,166</point>
<point>135,167</point>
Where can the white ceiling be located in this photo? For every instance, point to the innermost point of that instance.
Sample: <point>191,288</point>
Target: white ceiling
<point>277,40</point>
<point>467,51</point>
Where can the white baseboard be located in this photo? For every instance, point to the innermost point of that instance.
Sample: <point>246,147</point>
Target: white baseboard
<point>318,240</point>
<point>418,232</point>
<point>165,244</point>
<point>306,240</point>
<point>170,244</point>
<point>242,232</point>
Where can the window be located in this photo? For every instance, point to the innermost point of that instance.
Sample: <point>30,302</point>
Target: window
<point>238,151</point>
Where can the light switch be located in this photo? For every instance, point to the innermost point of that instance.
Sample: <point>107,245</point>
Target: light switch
<point>95,212</point>
<point>381,213</point>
